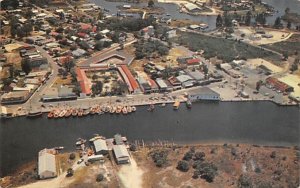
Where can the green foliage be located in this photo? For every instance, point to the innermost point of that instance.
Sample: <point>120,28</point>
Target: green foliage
<point>25,66</point>
<point>129,24</point>
<point>199,156</point>
<point>97,88</point>
<point>227,50</point>
<point>183,166</point>
<point>100,177</point>
<point>188,156</point>
<point>149,48</point>
<point>244,182</point>
<point>159,157</point>
<point>72,156</point>
<point>219,21</point>
<point>150,3</point>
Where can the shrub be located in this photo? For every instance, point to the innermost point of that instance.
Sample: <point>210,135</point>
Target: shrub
<point>188,156</point>
<point>183,166</point>
<point>99,177</point>
<point>72,156</point>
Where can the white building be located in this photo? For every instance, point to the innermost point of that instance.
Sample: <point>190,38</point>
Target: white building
<point>46,165</point>
<point>100,147</point>
<point>121,154</point>
<point>203,93</point>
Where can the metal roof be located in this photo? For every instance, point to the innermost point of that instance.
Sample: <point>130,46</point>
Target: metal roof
<point>100,145</point>
<point>120,151</point>
<point>46,162</point>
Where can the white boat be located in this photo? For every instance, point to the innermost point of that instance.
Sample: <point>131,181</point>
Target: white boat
<point>133,108</point>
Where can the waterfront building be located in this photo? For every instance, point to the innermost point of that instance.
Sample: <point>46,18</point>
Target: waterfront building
<point>121,154</point>
<point>14,97</point>
<point>100,147</point>
<point>203,93</point>
<point>46,164</point>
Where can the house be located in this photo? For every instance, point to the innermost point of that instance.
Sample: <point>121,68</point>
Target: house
<point>121,154</point>
<point>279,85</point>
<point>161,84</point>
<point>176,84</point>
<point>192,7</point>
<point>100,147</point>
<point>185,80</point>
<point>78,53</point>
<point>203,93</point>
<point>195,62</point>
<point>14,97</point>
<point>46,165</point>
<point>171,33</point>
<point>197,75</point>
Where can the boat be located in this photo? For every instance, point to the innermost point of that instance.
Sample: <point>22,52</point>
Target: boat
<point>86,112</point>
<point>80,142</point>
<point>68,113</point>
<point>59,148</point>
<point>50,114</point>
<point>92,111</point>
<point>151,107</point>
<point>163,104</point>
<point>188,104</point>
<point>112,110</point>
<point>124,110</point>
<point>129,109</point>
<point>74,112</point>
<point>62,113</point>
<point>119,109</point>
<point>80,113</point>
<point>176,105</point>
<point>133,108</point>
<point>34,113</point>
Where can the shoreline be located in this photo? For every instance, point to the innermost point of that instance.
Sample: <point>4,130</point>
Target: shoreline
<point>47,109</point>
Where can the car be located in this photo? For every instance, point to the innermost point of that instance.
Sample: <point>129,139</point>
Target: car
<point>79,161</point>
<point>255,92</point>
<point>267,94</point>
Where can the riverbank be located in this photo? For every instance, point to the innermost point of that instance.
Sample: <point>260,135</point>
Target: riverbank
<point>239,159</point>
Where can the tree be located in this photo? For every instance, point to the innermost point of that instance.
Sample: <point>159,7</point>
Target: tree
<point>99,177</point>
<point>69,63</point>
<point>188,156</point>
<point>244,182</point>
<point>95,77</point>
<point>5,4</point>
<point>288,25</point>
<point>26,66</point>
<point>100,15</point>
<point>97,88</point>
<point>72,156</point>
<point>219,21</point>
<point>70,172</point>
<point>287,10</point>
<point>77,89</point>
<point>277,22</point>
<point>150,3</point>
<point>248,18</point>
<point>183,166</point>
<point>199,156</point>
<point>133,147</point>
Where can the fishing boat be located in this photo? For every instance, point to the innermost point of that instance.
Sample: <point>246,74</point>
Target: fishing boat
<point>92,111</point>
<point>50,114</point>
<point>113,110</point>
<point>56,114</point>
<point>59,148</point>
<point>68,113</point>
<point>129,109</point>
<point>151,107</point>
<point>163,104</point>
<point>34,113</point>
<point>124,110</point>
<point>86,112</point>
<point>74,112</point>
<point>176,105</point>
<point>188,104</point>
<point>119,109</point>
<point>80,142</point>
<point>80,113</point>
<point>62,113</point>
<point>133,108</point>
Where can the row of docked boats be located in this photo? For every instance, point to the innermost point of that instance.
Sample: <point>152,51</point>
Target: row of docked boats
<point>79,112</point>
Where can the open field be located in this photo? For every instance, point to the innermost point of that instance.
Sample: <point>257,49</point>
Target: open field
<point>225,49</point>
<point>259,166</point>
<point>258,61</point>
<point>291,45</point>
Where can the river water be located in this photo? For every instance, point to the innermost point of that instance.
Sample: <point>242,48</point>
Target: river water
<point>237,122</point>
<point>172,9</point>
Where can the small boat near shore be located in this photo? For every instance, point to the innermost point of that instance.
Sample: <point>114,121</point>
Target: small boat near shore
<point>189,104</point>
<point>124,110</point>
<point>151,108</point>
<point>133,108</point>
<point>119,109</point>
<point>34,113</point>
<point>68,113</point>
<point>129,109</point>
<point>50,114</point>
<point>74,112</point>
<point>176,105</point>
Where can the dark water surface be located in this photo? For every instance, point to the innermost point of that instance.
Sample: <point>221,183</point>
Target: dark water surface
<point>239,122</point>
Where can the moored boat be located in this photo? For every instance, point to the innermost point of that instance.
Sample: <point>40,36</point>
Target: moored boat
<point>119,109</point>
<point>50,114</point>
<point>151,107</point>
<point>124,110</point>
<point>34,113</point>
<point>68,113</point>
<point>188,104</point>
<point>129,109</point>
<point>176,105</point>
<point>74,112</point>
<point>133,108</point>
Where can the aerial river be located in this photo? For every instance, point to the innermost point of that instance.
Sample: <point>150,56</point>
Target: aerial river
<point>235,122</point>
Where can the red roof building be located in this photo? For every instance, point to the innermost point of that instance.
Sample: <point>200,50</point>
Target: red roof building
<point>84,82</point>
<point>129,79</point>
<point>195,61</point>
<point>278,85</point>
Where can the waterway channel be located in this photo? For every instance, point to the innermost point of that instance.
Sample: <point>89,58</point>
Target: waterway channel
<point>236,122</point>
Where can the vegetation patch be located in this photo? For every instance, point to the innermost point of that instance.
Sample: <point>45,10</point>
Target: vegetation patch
<point>224,49</point>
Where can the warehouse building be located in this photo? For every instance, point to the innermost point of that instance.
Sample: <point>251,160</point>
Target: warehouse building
<point>46,165</point>
<point>121,154</point>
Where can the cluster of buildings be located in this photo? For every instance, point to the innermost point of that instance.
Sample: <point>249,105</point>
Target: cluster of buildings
<point>117,144</point>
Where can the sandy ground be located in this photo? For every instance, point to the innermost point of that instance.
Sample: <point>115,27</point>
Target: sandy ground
<point>278,36</point>
<point>258,61</point>
<point>292,80</point>
<point>131,175</point>
<point>11,47</point>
